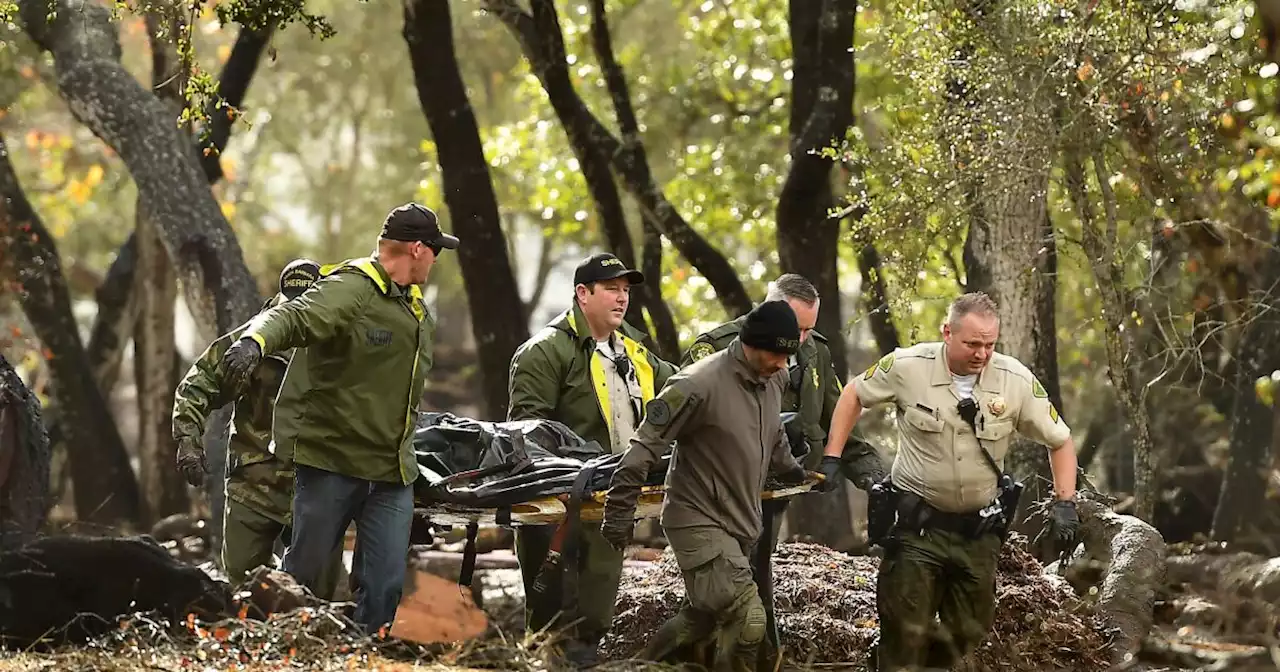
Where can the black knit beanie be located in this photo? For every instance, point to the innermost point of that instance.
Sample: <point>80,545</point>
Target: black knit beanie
<point>772,326</point>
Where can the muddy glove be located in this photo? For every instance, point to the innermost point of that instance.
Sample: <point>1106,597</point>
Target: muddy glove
<point>191,460</point>
<point>240,360</point>
<point>1063,522</point>
<point>865,469</point>
<point>794,476</point>
<point>617,527</point>
<point>830,470</point>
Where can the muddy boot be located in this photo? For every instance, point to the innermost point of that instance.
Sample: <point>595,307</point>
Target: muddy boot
<point>682,635</point>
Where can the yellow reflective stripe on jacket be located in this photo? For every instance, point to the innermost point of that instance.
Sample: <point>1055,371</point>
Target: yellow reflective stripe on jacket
<point>365,265</point>
<point>639,361</point>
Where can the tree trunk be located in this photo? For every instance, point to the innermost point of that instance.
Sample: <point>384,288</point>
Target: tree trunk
<point>106,491</point>
<point>876,297</point>
<point>1244,480</point>
<point>104,96</point>
<point>497,316</point>
<point>115,318</point>
<point>667,342</point>
<point>808,235</point>
<point>154,348</point>
<point>24,462</point>
<point>1006,250</point>
<point>541,39</point>
<point>237,73</point>
<point>1101,247</point>
<point>659,312</point>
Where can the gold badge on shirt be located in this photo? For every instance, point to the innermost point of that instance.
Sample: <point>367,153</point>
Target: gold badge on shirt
<point>996,406</point>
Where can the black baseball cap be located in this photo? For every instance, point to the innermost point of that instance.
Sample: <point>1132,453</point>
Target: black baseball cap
<point>413,222</point>
<point>604,266</point>
<point>772,326</point>
<point>297,276</point>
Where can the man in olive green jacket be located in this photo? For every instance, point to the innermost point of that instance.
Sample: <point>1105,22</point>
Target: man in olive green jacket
<point>368,339</point>
<point>588,370</point>
<point>813,387</point>
<point>259,484</point>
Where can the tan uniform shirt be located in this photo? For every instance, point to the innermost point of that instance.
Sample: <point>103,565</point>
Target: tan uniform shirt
<point>938,456</point>
<point>727,425</point>
<point>624,395</point>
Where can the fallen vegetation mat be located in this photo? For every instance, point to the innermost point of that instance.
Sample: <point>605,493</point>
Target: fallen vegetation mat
<point>825,605</point>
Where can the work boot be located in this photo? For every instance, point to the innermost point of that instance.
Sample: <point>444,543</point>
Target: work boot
<point>581,654</point>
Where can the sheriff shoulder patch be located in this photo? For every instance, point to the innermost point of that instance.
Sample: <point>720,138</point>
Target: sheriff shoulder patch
<point>1037,390</point>
<point>700,350</point>
<point>886,363</point>
<point>657,412</point>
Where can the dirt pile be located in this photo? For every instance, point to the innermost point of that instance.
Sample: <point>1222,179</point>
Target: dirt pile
<point>826,609</point>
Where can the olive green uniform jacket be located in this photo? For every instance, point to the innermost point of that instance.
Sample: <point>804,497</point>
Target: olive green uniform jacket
<point>555,375</point>
<point>812,391</point>
<point>369,347</point>
<point>255,478</point>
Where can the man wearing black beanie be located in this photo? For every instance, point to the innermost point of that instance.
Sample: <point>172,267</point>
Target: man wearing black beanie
<point>724,411</point>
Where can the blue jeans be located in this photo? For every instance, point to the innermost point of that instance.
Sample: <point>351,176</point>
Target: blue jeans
<point>324,504</point>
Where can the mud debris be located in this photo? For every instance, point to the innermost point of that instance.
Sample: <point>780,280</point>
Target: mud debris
<point>826,610</point>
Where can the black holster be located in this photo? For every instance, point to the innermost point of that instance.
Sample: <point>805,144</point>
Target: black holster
<point>882,511</point>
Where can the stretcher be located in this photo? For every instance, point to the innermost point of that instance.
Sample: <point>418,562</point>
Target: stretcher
<point>553,510</point>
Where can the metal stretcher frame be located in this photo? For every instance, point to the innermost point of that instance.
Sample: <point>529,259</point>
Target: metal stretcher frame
<point>551,511</point>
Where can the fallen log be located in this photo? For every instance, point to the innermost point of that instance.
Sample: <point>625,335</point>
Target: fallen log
<point>1123,558</point>
<point>24,461</point>
<point>69,589</point>
<point>1241,574</point>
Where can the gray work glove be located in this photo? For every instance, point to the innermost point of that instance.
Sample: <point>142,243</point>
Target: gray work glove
<point>240,360</point>
<point>617,526</point>
<point>1064,521</point>
<point>830,470</point>
<point>191,460</point>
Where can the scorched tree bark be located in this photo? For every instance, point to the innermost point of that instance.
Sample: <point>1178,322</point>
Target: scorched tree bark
<point>24,462</point>
<point>497,313</point>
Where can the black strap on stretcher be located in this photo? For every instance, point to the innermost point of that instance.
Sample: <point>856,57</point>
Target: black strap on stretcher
<point>572,550</point>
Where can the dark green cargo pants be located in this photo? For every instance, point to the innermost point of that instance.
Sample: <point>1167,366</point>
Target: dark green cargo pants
<point>937,572</point>
<point>598,573</point>
<point>249,539</point>
<point>722,605</point>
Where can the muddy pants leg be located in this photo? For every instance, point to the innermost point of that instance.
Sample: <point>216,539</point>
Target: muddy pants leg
<point>968,598</point>
<point>248,540</point>
<point>599,572</point>
<point>907,598</point>
<point>532,543</point>
<point>717,578</point>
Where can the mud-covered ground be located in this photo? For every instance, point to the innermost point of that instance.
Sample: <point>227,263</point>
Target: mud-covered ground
<point>826,611</point>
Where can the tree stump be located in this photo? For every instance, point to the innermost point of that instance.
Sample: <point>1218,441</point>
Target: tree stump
<point>24,461</point>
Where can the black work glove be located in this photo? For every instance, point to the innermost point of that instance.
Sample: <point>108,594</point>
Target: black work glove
<point>1063,522</point>
<point>865,469</point>
<point>795,437</point>
<point>830,469</point>
<point>617,526</point>
<point>240,360</point>
<point>191,460</point>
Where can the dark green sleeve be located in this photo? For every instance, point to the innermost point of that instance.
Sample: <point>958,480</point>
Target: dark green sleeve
<point>831,386</point>
<point>702,346</point>
<point>200,391</point>
<point>320,313</point>
<point>781,460</point>
<point>533,383</point>
<point>662,371</point>
<point>665,416</point>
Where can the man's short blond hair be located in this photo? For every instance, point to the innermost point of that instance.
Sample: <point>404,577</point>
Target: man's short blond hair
<point>971,303</point>
<point>391,248</point>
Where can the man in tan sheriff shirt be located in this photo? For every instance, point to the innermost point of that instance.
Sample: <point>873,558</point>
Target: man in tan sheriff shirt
<point>940,556</point>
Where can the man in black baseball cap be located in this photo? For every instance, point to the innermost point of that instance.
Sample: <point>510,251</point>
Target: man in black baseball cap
<point>412,222</point>
<point>604,266</point>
